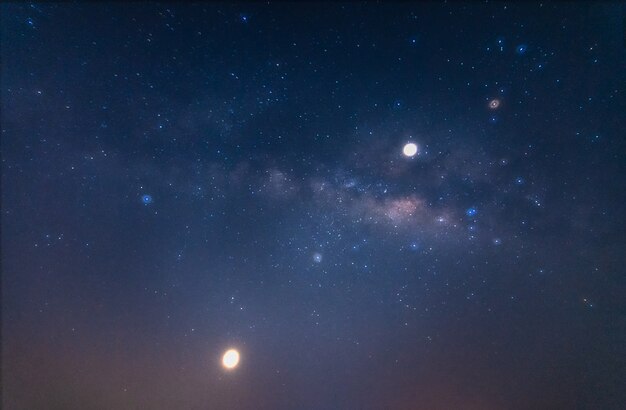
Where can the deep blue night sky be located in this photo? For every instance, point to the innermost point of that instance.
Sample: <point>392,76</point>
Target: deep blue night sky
<point>181,179</point>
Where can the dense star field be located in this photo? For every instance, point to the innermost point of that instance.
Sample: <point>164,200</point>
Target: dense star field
<point>376,206</point>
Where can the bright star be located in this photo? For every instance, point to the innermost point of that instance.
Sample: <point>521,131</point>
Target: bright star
<point>410,150</point>
<point>230,360</point>
<point>494,104</point>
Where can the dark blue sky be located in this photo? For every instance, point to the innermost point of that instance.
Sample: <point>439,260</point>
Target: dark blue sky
<point>181,179</point>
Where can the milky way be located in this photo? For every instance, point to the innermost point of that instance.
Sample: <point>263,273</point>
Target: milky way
<point>180,180</point>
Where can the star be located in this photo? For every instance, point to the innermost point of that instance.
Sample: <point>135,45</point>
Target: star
<point>494,104</point>
<point>317,257</point>
<point>230,360</point>
<point>410,149</point>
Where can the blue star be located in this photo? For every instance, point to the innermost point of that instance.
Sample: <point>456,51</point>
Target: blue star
<point>519,181</point>
<point>146,199</point>
<point>471,211</point>
<point>521,49</point>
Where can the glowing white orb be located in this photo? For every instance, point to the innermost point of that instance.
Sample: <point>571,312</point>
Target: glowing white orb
<point>230,360</point>
<point>410,149</point>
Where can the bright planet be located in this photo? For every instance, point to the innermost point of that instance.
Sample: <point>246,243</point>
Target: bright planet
<point>410,149</point>
<point>230,360</point>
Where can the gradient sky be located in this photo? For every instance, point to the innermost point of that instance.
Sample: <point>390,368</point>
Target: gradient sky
<point>181,179</point>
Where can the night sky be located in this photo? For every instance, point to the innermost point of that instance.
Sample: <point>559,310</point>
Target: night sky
<point>379,206</point>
